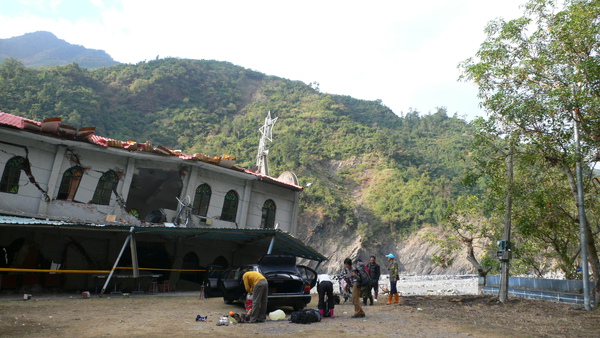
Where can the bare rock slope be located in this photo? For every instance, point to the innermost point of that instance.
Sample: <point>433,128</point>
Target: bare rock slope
<point>414,253</point>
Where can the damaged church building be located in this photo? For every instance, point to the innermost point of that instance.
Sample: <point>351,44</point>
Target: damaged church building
<point>77,209</point>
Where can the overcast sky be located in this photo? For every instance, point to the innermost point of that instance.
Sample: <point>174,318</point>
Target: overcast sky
<point>404,53</point>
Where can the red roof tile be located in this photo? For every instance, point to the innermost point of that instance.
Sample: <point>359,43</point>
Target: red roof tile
<point>19,122</point>
<point>99,140</point>
<point>13,120</point>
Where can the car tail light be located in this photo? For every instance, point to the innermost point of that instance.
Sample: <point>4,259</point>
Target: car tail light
<point>307,288</point>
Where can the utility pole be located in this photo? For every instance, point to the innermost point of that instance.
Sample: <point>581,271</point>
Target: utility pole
<point>504,246</point>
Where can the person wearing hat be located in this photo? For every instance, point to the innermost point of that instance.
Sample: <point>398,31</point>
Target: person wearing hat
<point>393,269</point>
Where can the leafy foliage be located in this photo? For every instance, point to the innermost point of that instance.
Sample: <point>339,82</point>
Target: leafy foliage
<point>406,169</point>
<point>465,227</point>
<point>538,79</point>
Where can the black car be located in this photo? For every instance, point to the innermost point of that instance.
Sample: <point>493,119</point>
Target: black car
<point>213,272</point>
<point>289,284</point>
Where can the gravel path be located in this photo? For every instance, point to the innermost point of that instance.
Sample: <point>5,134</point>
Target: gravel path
<point>429,285</point>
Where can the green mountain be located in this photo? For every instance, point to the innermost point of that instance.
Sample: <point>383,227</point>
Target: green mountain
<point>375,177</point>
<point>44,49</point>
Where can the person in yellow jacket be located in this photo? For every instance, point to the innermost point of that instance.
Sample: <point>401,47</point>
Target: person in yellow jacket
<point>256,284</point>
<point>393,269</point>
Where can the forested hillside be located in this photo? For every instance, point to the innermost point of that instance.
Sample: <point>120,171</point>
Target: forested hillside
<point>378,182</point>
<point>374,176</point>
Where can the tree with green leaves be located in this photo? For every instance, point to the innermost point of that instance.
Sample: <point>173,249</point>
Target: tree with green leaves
<point>466,228</point>
<point>544,214</point>
<point>536,75</point>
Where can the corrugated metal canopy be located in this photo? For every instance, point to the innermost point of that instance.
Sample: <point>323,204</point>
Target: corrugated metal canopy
<point>284,242</point>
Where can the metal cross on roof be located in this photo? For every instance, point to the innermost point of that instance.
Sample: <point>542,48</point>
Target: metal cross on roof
<point>267,135</point>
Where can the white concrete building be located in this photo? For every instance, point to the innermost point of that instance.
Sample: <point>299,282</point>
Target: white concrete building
<point>89,178</point>
<point>59,173</point>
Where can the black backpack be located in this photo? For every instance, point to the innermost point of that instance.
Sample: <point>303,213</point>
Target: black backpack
<point>306,316</point>
<point>363,276</point>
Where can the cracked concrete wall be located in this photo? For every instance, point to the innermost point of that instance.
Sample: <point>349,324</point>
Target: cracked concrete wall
<point>28,198</point>
<point>50,161</point>
<point>284,201</point>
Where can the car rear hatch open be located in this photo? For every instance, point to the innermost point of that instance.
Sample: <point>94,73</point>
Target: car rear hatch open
<point>282,274</point>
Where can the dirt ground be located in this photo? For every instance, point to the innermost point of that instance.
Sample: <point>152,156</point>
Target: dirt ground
<point>174,314</point>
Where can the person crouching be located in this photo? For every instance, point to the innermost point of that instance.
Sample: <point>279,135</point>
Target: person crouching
<point>256,284</point>
<point>325,288</point>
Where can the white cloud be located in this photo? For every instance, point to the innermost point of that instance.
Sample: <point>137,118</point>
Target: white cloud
<point>404,53</point>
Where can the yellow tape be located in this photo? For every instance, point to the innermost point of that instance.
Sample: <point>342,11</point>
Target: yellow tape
<point>55,271</point>
<point>94,271</point>
<point>153,269</point>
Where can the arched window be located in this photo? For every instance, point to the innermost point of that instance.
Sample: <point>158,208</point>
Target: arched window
<point>268,215</point>
<point>191,262</point>
<point>105,186</point>
<point>230,206</point>
<point>12,174</point>
<point>70,183</point>
<point>202,199</point>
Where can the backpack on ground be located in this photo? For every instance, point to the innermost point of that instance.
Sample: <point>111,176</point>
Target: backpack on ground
<point>305,316</point>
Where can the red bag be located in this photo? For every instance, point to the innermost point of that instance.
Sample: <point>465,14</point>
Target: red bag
<point>248,303</point>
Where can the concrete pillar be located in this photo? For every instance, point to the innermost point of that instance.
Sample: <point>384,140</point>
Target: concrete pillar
<point>245,199</point>
<point>179,253</point>
<point>189,184</point>
<point>294,218</point>
<point>130,171</point>
<point>54,180</point>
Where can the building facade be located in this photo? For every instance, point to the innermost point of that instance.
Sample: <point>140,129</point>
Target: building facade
<point>58,173</point>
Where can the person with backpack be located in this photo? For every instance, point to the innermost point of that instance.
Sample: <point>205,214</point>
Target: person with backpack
<point>375,273</point>
<point>365,281</point>
<point>354,280</point>
<point>326,300</point>
<point>393,269</point>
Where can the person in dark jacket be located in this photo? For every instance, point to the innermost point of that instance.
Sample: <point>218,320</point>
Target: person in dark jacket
<point>375,273</point>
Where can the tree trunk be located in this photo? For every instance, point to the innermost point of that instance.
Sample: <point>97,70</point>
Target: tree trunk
<point>593,259</point>
<point>471,258</point>
<point>591,245</point>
